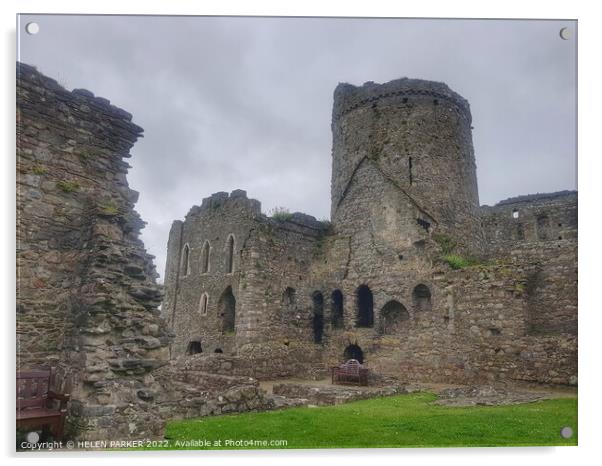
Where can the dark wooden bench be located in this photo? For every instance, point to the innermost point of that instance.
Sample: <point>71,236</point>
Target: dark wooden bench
<point>352,372</point>
<point>35,403</point>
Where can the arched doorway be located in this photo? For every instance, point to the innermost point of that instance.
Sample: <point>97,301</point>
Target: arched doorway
<point>227,307</point>
<point>354,352</point>
<point>365,307</point>
<point>318,319</point>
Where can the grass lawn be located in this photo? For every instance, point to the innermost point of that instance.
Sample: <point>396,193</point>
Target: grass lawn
<point>401,421</point>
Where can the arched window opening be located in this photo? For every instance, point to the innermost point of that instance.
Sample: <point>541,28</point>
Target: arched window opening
<point>218,350</point>
<point>227,310</point>
<point>422,298</point>
<point>289,297</point>
<point>194,347</point>
<point>391,317</point>
<point>205,253</point>
<point>337,317</point>
<point>354,352</point>
<point>203,304</point>
<point>365,307</point>
<point>185,262</point>
<point>230,254</point>
<point>318,320</point>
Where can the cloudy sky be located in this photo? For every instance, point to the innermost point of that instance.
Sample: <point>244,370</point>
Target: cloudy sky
<point>231,103</point>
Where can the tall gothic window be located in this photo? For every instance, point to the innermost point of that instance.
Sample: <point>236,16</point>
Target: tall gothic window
<point>203,304</point>
<point>185,263</point>
<point>205,253</point>
<point>230,254</point>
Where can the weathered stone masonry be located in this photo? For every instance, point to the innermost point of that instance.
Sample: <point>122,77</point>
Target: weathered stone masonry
<point>247,295</point>
<point>87,302</point>
<point>376,284</point>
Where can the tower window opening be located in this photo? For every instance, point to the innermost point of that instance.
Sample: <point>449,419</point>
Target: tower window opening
<point>185,263</point>
<point>205,257</point>
<point>410,165</point>
<point>203,304</point>
<point>230,254</point>
<point>365,307</point>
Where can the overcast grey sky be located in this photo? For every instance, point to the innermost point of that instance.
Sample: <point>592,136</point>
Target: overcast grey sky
<point>245,103</point>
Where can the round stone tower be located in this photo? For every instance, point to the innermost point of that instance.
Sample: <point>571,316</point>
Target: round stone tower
<point>415,137</point>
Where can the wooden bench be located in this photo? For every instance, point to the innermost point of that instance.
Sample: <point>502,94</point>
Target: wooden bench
<point>35,403</point>
<point>352,372</point>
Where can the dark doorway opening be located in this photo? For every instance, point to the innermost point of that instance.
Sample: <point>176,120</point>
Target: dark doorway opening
<point>365,307</point>
<point>391,316</point>
<point>194,347</point>
<point>227,307</point>
<point>337,319</point>
<point>218,350</point>
<point>318,320</point>
<point>354,352</point>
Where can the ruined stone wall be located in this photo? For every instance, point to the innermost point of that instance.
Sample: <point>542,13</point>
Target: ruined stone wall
<point>206,233</point>
<point>418,134</point>
<point>540,217</point>
<point>269,285</point>
<point>540,232</point>
<point>86,298</point>
<point>188,390</point>
<point>509,314</point>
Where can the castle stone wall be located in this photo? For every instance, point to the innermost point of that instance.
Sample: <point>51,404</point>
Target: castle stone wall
<point>540,217</point>
<point>418,134</point>
<point>86,299</point>
<point>379,284</point>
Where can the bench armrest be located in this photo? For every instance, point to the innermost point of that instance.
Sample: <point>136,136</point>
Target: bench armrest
<point>63,398</point>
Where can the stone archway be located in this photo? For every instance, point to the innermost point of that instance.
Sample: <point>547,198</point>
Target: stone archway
<point>353,351</point>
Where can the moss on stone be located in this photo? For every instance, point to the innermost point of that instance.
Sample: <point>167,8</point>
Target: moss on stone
<point>68,186</point>
<point>109,208</point>
<point>456,261</point>
<point>39,170</point>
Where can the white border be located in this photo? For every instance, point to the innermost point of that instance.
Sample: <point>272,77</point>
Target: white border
<point>589,199</point>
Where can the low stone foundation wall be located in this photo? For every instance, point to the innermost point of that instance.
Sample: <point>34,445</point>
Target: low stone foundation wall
<point>333,395</point>
<point>188,392</point>
<point>264,365</point>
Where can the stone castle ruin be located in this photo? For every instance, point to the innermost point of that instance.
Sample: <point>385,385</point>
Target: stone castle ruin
<point>411,276</point>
